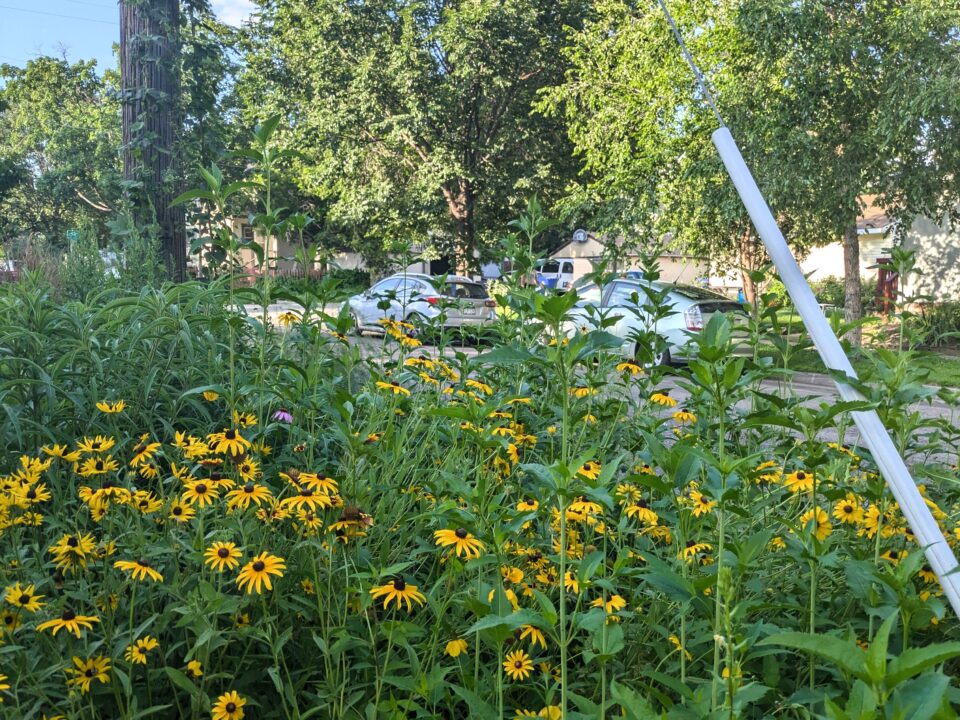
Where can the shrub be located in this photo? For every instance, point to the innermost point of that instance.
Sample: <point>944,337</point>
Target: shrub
<point>937,324</point>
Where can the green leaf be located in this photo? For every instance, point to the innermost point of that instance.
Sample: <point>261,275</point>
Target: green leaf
<point>633,705</point>
<point>914,661</point>
<point>876,659</point>
<point>843,654</point>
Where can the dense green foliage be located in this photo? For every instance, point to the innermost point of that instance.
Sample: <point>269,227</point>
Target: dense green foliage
<point>413,119</point>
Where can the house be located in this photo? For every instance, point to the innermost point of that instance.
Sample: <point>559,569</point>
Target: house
<point>584,249</point>
<point>937,248</point>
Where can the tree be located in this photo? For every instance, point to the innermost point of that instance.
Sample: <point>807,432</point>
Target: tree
<point>59,134</point>
<point>150,78</point>
<point>828,101</point>
<point>414,117</point>
<point>869,103</point>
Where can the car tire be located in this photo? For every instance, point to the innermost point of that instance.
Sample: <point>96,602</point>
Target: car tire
<point>659,360</point>
<point>356,325</point>
<point>420,330</point>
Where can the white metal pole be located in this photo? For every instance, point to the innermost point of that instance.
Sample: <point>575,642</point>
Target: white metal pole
<point>875,435</point>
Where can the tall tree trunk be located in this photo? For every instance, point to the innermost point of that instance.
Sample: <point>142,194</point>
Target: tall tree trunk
<point>852,307</point>
<point>751,254</point>
<point>461,204</point>
<point>150,94</point>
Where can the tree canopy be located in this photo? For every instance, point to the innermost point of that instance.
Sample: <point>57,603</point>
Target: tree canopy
<point>414,118</point>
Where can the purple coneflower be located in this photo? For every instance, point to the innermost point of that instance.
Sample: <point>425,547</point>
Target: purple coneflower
<point>282,415</point>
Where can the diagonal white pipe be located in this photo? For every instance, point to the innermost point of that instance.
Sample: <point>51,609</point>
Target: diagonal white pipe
<point>875,435</point>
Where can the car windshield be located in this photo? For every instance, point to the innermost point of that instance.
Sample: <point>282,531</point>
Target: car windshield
<point>695,293</point>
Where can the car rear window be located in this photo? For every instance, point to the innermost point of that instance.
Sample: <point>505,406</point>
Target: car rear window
<point>551,266</point>
<point>469,291</point>
<point>695,293</point>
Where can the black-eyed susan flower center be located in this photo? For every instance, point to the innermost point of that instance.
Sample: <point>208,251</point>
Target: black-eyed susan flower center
<point>24,599</point>
<point>801,475</point>
<point>142,562</point>
<point>68,615</point>
<point>8,619</point>
<point>248,488</point>
<point>200,489</point>
<point>178,510</point>
<point>90,672</point>
<point>230,434</point>
<point>223,552</point>
<point>31,494</point>
<point>894,554</point>
<point>95,445</point>
<point>848,509</point>
<point>230,707</point>
<point>460,533</point>
<point>258,566</point>
<point>690,543</point>
<point>399,584</point>
<point>517,664</point>
<point>107,484</point>
<point>642,503</point>
<point>72,542</point>
<point>99,464</point>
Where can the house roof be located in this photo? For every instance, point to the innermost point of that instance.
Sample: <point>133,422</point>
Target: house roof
<point>873,218</point>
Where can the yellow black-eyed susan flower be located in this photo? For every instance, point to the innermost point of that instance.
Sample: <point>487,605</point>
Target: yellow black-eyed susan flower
<point>821,522</point>
<point>222,556</point>
<point>255,575</point>
<point>694,548</point>
<point>111,408</point>
<point>610,605</point>
<point>210,396</point>
<point>137,652</point>
<point>629,368</point>
<point>894,556</point>
<point>684,416</point>
<point>518,665</point>
<point>456,648</point>
<point>97,466</point>
<point>23,597</point>
<point>534,635</point>
<point>848,510</point>
<point>62,452</point>
<point>98,444</point>
<point>181,512</point>
<point>200,492</point>
<point>139,569</point>
<point>229,706</point>
<point>570,582</point>
<point>195,668</point>
<point>392,386</point>
<point>676,643</point>
<point>86,671</point>
<point>662,397</point>
<point>10,621</point>
<point>642,512</point>
<point>249,492</point>
<point>701,504</point>
<point>69,621</point>
<point>463,542</point>
<point>4,685</point>
<point>799,481</point>
<point>397,590</point>
<point>590,469</point>
<point>228,442</point>
<point>582,391</point>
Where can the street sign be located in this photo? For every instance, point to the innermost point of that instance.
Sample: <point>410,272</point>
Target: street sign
<point>73,235</point>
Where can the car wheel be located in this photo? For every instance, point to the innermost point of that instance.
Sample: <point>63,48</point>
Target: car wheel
<point>421,329</point>
<point>659,360</point>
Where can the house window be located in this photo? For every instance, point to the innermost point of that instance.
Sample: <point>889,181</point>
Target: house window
<point>246,232</point>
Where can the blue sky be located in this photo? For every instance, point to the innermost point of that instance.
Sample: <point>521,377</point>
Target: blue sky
<point>80,29</point>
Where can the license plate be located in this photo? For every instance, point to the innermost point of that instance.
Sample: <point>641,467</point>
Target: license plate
<point>469,310</point>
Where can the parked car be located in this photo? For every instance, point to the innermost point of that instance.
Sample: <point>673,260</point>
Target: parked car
<point>623,300</point>
<point>556,274</point>
<point>420,300</point>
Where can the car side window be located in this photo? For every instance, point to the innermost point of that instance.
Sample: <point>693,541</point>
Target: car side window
<point>567,268</point>
<point>620,294</point>
<point>385,286</point>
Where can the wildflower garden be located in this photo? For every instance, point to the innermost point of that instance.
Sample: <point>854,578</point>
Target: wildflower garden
<point>204,514</point>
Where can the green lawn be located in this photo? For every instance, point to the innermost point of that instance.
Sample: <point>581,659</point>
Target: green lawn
<point>944,370</point>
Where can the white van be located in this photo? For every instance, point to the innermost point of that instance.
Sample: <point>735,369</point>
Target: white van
<point>555,273</point>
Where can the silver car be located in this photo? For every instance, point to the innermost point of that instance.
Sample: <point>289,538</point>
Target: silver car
<point>421,300</point>
<point>622,302</point>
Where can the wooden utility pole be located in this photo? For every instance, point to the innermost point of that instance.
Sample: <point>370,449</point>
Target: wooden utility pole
<point>150,93</point>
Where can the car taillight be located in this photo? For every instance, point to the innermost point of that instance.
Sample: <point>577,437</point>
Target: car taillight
<point>433,299</point>
<point>489,303</point>
<point>693,318</point>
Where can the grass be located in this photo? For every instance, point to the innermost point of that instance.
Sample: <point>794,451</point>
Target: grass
<point>944,370</point>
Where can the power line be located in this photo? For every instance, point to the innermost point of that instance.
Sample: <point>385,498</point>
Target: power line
<point>58,15</point>
<point>105,6</point>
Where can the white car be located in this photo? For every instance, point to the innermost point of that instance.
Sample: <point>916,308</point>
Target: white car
<point>623,300</point>
<point>420,300</point>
